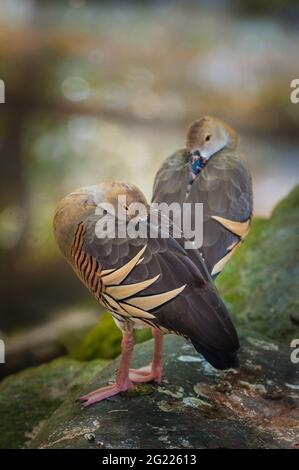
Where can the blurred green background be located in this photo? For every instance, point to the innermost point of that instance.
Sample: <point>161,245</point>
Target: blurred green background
<point>96,90</point>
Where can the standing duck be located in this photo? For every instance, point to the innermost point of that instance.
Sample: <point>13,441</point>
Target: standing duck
<point>210,170</point>
<point>144,281</point>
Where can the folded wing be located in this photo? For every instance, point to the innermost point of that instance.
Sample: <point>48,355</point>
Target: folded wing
<point>224,188</point>
<point>153,281</point>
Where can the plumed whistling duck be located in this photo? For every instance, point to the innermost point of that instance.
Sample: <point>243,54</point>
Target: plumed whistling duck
<point>210,169</point>
<point>144,281</point>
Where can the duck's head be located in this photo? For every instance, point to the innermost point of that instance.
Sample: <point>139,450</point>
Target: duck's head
<point>208,135</point>
<point>123,198</point>
<point>117,198</point>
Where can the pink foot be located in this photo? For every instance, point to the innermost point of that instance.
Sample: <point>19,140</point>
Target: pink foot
<point>145,370</point>
<point>123,382</point>
<point>146,374</point>
<point>103,393</point>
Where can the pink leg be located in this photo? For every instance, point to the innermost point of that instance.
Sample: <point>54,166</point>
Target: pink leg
<point>154,370</point>
<point>123,381</point>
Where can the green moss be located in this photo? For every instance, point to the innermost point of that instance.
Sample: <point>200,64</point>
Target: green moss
<point>31,396</point>
<point>289,203</point>
<point>104,340</point>
<point>141,390</point>
<point>142,335</point>
<point>71,339</point>
<point>259,285</point>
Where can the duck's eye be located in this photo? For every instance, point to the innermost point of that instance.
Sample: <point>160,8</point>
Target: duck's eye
<point>208,138</point>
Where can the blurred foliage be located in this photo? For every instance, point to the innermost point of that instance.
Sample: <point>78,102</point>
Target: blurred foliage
<point>271,7</point>
<point>96,90</point>
<point>104,340</point>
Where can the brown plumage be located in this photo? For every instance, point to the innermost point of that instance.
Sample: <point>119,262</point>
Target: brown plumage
<point>143,281</point>
<point>222,184</point>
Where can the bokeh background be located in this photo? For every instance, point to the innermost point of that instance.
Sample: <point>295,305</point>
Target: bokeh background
<point>96,90</point>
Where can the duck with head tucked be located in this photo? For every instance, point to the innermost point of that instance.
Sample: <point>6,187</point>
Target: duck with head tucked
<point>145,281</point>
<point>211,170</point>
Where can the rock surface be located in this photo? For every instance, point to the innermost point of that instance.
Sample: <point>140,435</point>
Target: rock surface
<point>28,398</point>
<point>194,407</point>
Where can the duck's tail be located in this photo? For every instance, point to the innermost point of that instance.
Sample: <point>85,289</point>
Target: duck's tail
<point>218,359</point>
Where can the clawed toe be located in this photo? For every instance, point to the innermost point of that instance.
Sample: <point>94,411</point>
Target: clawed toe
<point>142,371</point>
<point>103,393</point>
<point>145,374</point>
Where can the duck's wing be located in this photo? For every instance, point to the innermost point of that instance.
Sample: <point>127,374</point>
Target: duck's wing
<point>171,180</point>
<point>153,282</point>
<point>224,188</point>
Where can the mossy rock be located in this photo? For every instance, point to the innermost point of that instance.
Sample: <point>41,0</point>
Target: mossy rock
<point>195,406</point>
<point>260,283</point>
<point>29,397</point>
<point>104,340</point>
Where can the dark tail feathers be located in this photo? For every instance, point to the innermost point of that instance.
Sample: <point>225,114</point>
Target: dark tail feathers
<point>218,359</point>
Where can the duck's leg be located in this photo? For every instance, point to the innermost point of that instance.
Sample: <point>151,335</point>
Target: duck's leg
<point>123,381</point>
<point>154,370</point>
